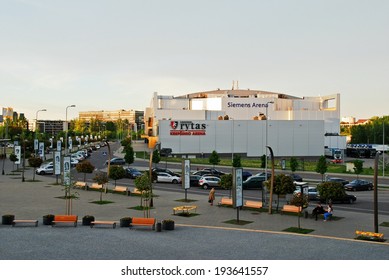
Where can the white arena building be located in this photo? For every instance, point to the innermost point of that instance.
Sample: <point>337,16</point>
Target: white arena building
<point>244,122</point>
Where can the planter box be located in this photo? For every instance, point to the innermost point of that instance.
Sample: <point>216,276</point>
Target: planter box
<point>7,219</point>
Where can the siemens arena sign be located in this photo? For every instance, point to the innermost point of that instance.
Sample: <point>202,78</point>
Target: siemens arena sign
<point>187,128</point>
<point>246,105</point>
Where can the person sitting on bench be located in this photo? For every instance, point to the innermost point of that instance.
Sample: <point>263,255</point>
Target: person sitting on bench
<point>317,210</point>
<point>328,213</point>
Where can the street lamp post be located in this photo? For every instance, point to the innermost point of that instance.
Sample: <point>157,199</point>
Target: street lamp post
<point>383,147</point>
<point>36,128</point>
<point>66,129</point>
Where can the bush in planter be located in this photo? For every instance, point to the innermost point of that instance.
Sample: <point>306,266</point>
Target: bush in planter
<point>48,219</point>
<point>8,219</point>
<point>168,224</point>
<point>125,221</point>
<point>86,220</point>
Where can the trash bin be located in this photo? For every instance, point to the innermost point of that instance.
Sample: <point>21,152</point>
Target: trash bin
<point>159,227</point>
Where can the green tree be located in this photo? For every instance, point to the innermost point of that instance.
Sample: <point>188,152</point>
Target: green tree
<point>358,167</point>
<point>283,185</point>
<point>116,172</point>
<point>129,154</point>
<point>34,162</point>
<point>299,200</point>
<point>263,161</point>
<point>85,167</point>
<point>226,182</point>
<point>321,167</point>
<point>293,164</point>
<point>236,162</point>
<point>331,190</point>
<point>143,184</point>
<point>214,159</point>
<point>101,178</point>
<point>156,156</point>
<point>126,141</point>
<point>13,158</point>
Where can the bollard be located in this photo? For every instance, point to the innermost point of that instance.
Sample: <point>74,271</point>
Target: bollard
<point>159,227</point>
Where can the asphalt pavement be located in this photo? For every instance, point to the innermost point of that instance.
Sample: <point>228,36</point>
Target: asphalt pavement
<point>206,235</point>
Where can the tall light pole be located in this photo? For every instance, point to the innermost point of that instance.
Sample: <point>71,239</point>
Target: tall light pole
<point>36,127</point>
<point>66,129</point>
<point>266,144</point>
<point>383,147</point>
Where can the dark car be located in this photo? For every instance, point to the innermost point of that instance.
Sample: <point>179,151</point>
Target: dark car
<point>213,171</point>
<point>254,182</point>
<point>194,180</point>
<point>165,152</point>
<point>296,177</point>
<point>133,173</point>
<point>116,161</point>
<point>347,198</point>
<point>359,185</point>
<point>338,180</point>
<point>202,173</point>
<point>164,170</point>
<point>246,175</point>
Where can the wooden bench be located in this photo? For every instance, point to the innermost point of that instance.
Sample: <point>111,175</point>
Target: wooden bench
<point>136,191</point>
<point>96,186</point>
<point>121,189</point>
<point>81,185</point>
<point>226,201</point>
<point>35,222</point>
<point>253,204</point>
<point>143,222</point>
<point>111,223</point>
<point>291,209</point>
<point>62,219</point>
<point>184,209</point>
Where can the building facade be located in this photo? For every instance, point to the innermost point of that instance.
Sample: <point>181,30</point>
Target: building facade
<point>244,122</point>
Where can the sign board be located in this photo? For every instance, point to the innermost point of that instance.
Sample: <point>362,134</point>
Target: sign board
<point>59,143</point>
<point>66,171</point>
<point>36,144</point>
<point>57,163</point>
<point>186,173</point>
<point>41,151</point>
<point>18,153</point>
<point>70,144</point>
<point>237,187</point>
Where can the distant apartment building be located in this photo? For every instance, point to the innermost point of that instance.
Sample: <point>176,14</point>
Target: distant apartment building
<point>133,116</point>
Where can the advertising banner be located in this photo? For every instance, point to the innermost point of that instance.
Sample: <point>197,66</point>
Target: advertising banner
<point>237,186</point>
<point>59,143</point>
<point>41,151</point>
<point>186,172</point>
<point>57,163</point>
<point>66,171</point>
<point>70,144</point>
<point>36,144</point>
<point>18,153</point>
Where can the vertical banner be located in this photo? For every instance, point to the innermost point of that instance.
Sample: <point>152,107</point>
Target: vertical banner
<point>41,151</point>
<point>18,153</point>
<point>186,173</point>
<point>70,144</point>
<point>57,163</point>
<point>66,171</point>
<point>51,143</point>
<point>59,143</point>
<point>237,187</point>
<point>36,144</point>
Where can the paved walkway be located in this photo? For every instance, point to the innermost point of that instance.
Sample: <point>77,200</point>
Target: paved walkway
<point>261,238</point>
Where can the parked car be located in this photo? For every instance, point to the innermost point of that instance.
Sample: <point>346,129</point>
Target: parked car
<point>207,181</point>
<point>163,177</point>
<point>262,174</point>
<point>194,180</point>
<point>254,182</point>
<point>132,173</point>
<point>164,170</point>
<point>45,169</point>
<point>359,185</point>
<point>116,161</point>
<point>73,162</point>
<point>165,152</point>
<point>338,180</point>
<point>213,171</point>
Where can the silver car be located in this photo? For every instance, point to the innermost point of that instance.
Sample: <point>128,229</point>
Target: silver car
<point>163,177</point>
<point>209,181</point>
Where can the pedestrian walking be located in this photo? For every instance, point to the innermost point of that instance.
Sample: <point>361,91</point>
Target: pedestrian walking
<point>211,196</point>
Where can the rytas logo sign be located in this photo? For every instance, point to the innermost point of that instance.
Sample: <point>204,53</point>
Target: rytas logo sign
<point>187,128</point>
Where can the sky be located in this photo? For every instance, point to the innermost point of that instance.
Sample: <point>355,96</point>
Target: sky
<point>114,54</point>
